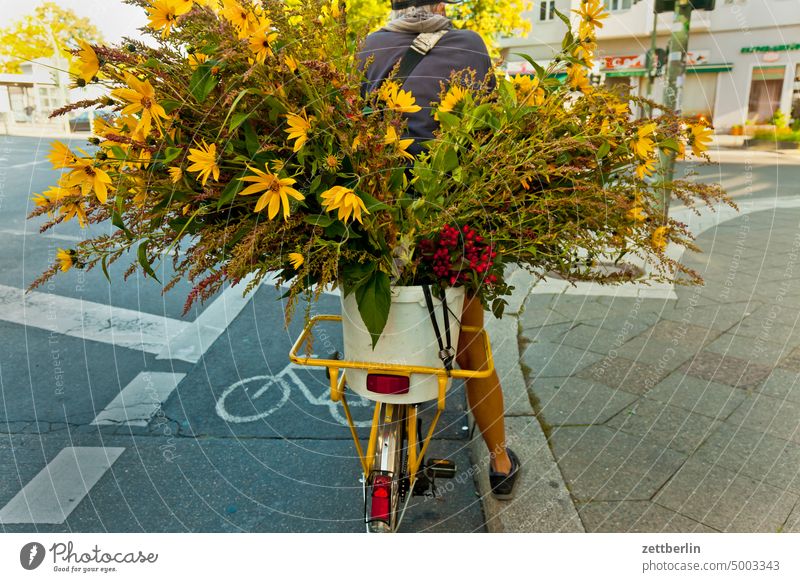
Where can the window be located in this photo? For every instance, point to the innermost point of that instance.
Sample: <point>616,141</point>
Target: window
<point>766,87</point>
<point>618,5</point>
<point>547,10</point>
<point>796,94</point>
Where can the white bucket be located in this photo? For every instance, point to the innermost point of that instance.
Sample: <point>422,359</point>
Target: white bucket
<point>408,339</point>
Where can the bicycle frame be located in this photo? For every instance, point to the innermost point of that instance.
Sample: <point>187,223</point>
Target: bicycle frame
<point>337,385</point>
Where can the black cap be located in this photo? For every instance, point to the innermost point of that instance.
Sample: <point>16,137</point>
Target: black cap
<point>402,4</point>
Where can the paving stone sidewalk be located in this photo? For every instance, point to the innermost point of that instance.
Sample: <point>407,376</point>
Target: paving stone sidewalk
<point>679,415</point>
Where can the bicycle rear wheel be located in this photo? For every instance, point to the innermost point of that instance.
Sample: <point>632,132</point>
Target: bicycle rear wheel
<point>384,487</point>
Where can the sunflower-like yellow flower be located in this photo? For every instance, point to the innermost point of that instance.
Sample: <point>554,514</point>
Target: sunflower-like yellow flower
<point>454,96</point>
<point>346,201</point>
<point>659,238</point>
<point>61,156</point>
<point>88,62</point>
<point>260,41</point>
<point>65,259</point>
<point>182,6</point>
<point>643,144</point>
<point>402,144</point>
<point>646,168</point>
<point>89,178</point>
<point>290,62</point>
<point>528,90</point>
<point>241,18</point>
<point>637,214</point>
<point>175,174</point>
<point>591,13</point>
<point>700,138</point>
<point>141,98</point>
<point>397,99</point>
<point>65,199</point>
<point>577,78</point>
<point>299,127</point>
<point>276,192</point>
<point>333,162</point>
<point>296,260</point>
<point>163,15</point>
<point>205,161</point>
<point>196,59</point>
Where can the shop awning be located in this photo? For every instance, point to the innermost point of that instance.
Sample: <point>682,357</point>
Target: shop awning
<point>710,68</point>
<point>632,72</point>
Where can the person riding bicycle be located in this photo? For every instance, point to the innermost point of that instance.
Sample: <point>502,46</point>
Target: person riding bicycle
<point>453,50</point>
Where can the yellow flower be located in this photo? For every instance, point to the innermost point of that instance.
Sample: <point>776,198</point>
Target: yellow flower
<point>175,174</point>
<point>700,138</point>
<point>141,97</point>
<point>205,161</point>
<point>356,143</point>
<point>577,79</point>
<point>276,192</point>
<point>299,126</point>
<point>346,201</point>
<point>65,259</point>
<point>260,41</point>
<point>69,209</point>
<point>196,59</point>
<point>659,238</point>
<point>454,96</point>
<point>162,15</point>
<point>61,156</point>
<point>646,168</point>
<point>182,6</point>
<point>89,178</point>
<point>591,13</point>
<point>290,63</point>
<point>332,162</point>
<point>297,260</point>
<point>642,144</point>
<point>238,16</point>
<point>397,99</point>
<point>402,144</point>
<point>88,61</point>
<point>637,213</point>
<point>528,90</point>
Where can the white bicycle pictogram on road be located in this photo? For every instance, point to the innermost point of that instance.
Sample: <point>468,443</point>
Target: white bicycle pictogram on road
<point>282,383</point>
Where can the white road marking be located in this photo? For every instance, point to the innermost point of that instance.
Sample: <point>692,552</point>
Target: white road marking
<point>58,488</point>
<point>25,165</point>
<point>193,340</point>
<point>88,320</point>
<point>136,404</point>
<point>64,237</point>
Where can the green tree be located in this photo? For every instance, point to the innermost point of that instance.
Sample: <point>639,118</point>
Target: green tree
<point>37,35</point>
<point>489,18</point>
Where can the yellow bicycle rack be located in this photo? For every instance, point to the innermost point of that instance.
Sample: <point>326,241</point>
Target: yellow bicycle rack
<point>337,389</point>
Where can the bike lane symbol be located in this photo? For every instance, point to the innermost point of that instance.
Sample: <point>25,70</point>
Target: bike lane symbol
<point>280,386</point>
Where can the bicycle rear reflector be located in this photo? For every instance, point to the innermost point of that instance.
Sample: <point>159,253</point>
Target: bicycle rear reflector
<point>388,384</point>
<point>381,497</point>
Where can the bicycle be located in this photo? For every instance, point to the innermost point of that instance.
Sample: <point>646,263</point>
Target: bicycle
<point>394,467</point>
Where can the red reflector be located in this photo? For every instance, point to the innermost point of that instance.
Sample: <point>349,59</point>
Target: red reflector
<point>381,493</point>
<point>388,384</point>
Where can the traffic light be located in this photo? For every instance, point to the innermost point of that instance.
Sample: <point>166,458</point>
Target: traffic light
<point>669,5</point>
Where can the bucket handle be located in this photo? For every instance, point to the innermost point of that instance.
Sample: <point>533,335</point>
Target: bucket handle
<point>446,352</point>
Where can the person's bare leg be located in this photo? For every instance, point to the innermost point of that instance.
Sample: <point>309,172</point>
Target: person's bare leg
<point>484,395</point>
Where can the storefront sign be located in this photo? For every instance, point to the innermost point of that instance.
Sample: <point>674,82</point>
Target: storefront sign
<point>771,49</point>
<point>623,62</point>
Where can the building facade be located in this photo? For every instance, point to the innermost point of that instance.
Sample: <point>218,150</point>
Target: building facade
<point>743,62</point>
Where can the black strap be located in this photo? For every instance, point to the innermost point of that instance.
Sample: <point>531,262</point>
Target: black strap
<point>409,62</point>
<point>446,353</point>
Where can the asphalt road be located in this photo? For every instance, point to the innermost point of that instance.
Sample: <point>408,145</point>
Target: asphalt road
<point>150,421</point>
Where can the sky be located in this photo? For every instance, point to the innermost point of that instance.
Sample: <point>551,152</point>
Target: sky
<point>113,18</point>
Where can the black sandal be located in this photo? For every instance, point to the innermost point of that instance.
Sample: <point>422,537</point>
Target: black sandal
<point>502,484</point>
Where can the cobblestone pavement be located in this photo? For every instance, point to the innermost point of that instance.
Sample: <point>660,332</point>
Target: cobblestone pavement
<point>682,414</point>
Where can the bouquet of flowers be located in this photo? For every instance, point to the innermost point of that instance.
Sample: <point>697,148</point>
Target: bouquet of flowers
<point>242,138</point>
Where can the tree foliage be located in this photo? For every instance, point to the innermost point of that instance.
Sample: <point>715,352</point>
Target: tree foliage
<point>33,36</point>
<point>489,18</point>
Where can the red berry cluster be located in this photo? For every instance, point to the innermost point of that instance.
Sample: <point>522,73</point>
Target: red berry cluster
<point>456,255</point>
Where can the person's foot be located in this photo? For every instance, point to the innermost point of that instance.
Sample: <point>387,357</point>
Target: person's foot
<point>502,483</point>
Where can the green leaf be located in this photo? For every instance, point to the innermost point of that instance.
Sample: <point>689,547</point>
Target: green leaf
<point>321,220</point>
<point>170,105</point>
<point>371,203</point>
<point>540,72</point>
<point>238,118</point>
<point>170,154</point>
<point>251,139</point>
<point>603,150</point>
<point>564,18</point>
<point>202,82</point>
<point>230,191</point>
<point>374,299</point>
<point>670,144</point>
<point>448,120</point>
<point>104,264</point>
<point>355,275</point>
<point>142,252</point>
<point>498,307</point>
<point>119,153</point>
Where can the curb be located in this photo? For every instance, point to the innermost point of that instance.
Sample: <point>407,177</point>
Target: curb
<point>542,502</point>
